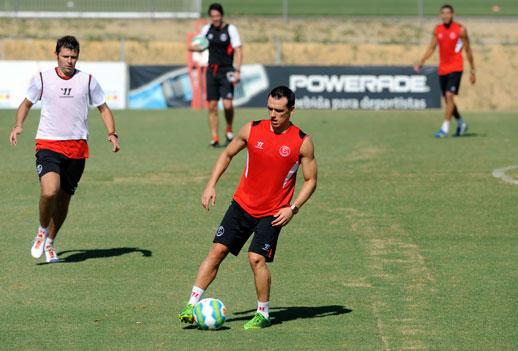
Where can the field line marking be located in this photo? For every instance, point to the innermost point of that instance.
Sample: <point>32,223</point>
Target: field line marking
<point>500,173</point>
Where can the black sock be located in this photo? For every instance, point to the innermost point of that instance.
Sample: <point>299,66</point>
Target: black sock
<point>456,113</point>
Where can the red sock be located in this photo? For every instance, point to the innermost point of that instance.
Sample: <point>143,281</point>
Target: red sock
<point>229,129</point>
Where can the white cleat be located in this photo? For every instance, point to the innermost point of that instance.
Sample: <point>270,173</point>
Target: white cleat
<point>50,254</point>
<point>38,244</point>
<point>229,136</point>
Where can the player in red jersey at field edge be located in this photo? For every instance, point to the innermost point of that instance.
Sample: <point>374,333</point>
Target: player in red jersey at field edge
<point>262,202</point>
<point>61,141</point>
<point>452,38</point>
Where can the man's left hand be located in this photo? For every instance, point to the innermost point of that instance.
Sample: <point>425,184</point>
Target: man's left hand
<point>472,77</point>
<point>237,77</point>
<point>283,217</point>
<point>115,143</point>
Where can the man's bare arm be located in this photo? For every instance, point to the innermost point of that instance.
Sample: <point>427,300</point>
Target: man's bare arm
<point>309,172</point>
<point>469,53</point>
<point>428,53</point>
<point>238,60</point>
<point>109,123</point>
<point>237,144</point>
<point>21,115</point>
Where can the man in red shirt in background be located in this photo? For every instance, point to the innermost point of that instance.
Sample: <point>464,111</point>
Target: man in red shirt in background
<point>262,202</point>
<point>451,37</point>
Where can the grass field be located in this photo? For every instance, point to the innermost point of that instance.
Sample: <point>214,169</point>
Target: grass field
<point>274,7</point>
<point>408,243</point>
<point>365,7</point>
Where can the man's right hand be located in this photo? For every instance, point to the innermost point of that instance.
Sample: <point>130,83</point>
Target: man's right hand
<point>13,137</point>
<point>208,197</point>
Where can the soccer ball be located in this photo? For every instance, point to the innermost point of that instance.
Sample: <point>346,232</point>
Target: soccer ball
<point>200,42</point>
<point>210,314</point>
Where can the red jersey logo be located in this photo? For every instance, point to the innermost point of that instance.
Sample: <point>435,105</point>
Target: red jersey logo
<point>284,151</point>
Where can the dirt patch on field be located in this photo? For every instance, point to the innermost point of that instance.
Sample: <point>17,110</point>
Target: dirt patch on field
<point>399,276</point>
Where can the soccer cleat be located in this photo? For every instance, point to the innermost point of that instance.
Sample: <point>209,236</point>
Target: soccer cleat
<point>229,136</point>
<point>187,314</point>
<point>441,134</point>
<point>214,144</point>
<point>258,322</point>
<point>50,254</point>
<point>461,129</point>
<point>38,244</point>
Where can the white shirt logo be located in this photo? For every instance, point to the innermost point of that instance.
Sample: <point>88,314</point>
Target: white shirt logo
<point>259,145</point>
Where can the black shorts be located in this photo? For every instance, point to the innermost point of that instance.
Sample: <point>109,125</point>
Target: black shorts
<point>237,226</point>
<point>69,169</point>
<point>219,83</point>
<point>450,82</point>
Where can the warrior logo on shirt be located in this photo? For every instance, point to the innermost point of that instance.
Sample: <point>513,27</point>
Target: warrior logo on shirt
<point>66,91</point>
<point>284,151</point>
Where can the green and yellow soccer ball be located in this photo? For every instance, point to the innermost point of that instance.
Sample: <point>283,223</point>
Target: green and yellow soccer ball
<point>210,314</point>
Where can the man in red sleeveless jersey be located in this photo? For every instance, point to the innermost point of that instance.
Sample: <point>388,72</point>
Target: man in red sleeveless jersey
<point>262,202</point>
<point>451,37</point>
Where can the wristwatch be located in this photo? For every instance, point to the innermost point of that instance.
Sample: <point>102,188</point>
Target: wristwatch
<point>294,209</point>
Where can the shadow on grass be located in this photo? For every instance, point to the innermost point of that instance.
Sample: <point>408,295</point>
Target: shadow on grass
<point>194,327</point>
<point>472,135</point>
<point>280,315</point>
<point>72,256</point>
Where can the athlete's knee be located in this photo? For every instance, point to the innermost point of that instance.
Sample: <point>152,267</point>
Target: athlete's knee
<point>217,253</point>
<point>63,199</point>
<point>256,260</point>
<point>49,191</point>
<point>449,96</point>
<point>227,105</point>
<point>213,106</point>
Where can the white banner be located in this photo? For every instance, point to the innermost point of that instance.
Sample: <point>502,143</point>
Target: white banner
<point>15,77</point>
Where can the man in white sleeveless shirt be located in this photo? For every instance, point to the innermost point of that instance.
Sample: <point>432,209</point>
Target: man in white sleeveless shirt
<point>61,141</point>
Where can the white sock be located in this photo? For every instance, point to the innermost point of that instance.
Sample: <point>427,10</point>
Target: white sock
<point>446,127</point>
<point>263,308</point>
<point>49,242</point>
<point>44,230</point>
<point>460,121</point>
<point>195,295</point>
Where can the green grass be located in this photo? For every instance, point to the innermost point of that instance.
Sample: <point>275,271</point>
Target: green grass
<point>411,234</point>
<point>365,7</point>
<point>274,7</point>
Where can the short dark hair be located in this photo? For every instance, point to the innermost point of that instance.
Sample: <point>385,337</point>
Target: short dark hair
<point>67,42</point>
<point>217,7</point>
<point>282,91</point>
<point>447,6</point>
